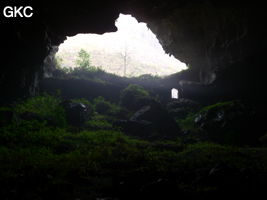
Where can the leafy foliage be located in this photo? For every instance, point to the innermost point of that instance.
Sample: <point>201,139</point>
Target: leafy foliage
<point>83,60</point>
<point>147,78</point>
<point>83,69</point>
<point>47,107</point>
<point>103,106</point>
<point>98,125</point>
<point>56,156</point>
<point>58,62</point>
<point>134,96</point>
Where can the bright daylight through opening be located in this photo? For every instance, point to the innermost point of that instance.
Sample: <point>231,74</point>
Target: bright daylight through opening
<point>131,51</point>
<point>174,93</point>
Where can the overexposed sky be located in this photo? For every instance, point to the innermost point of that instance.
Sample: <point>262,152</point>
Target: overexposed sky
<point>142,46</point>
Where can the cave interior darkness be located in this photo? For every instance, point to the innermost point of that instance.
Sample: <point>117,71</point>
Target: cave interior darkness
<point>209,141</point>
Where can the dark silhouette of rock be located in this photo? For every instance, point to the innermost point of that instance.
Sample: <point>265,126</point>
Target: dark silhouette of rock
<point>151,121</point>
<point>76,113</point>
<point>180,108</point>
<point>233,122</point>
<point>80,88</point>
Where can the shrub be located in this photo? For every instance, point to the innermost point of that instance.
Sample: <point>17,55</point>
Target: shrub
<point>99,122</point>
<point>45,107</point>
<point>134,96</point>
<point>102,106</point>
<point>181,108</point>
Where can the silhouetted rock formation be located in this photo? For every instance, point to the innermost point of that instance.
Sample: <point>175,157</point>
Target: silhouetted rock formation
<point>151,122</point>
<point>76,113</point>
<point>233,122</point>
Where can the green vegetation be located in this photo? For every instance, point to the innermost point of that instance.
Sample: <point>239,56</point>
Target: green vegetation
<point>83,69</point>
<point>83,60</point>
<point>46,107</point>
<point>99,122</point>
<point>134,96</point>
<point>218,106</point>
<point>224,122</point>
<point>103,106</point>
<point>105,114</point>
<point>58,62</point>
<point>188,122</point>
<point>42,156</point>
<point>147,78</point>
<point>89,160</point>
<point>82,100</point>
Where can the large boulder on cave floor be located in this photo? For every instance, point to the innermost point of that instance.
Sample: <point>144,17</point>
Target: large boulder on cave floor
<point>76,113</point>
<point>151,122</point>
<point>231,122</point>
<point>180,108</point>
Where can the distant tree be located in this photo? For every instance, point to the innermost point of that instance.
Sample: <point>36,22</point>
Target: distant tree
<point>83,60</point>
<point>126,58</point>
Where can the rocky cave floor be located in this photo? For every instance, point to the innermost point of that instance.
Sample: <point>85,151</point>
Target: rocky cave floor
<point>136,147</point>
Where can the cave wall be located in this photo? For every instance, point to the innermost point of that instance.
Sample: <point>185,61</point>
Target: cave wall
<point>28,44</point>
<point>209,36</point>
<point>222,42</point>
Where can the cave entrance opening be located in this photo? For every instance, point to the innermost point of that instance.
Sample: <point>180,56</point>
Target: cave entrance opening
<point>132,51</point>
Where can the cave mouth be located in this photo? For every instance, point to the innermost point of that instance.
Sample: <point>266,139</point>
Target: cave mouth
<point>131,51</point>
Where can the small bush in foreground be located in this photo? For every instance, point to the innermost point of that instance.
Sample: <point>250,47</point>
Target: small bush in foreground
<point>46,107</point>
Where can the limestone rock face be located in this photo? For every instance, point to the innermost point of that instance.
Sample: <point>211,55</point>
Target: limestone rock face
<point>208,36</point>
<point>211,37</point>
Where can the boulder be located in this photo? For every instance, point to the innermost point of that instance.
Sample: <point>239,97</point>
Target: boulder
<point>180,108</point>
<point>76,113</point>
<point>232,122</point>
<point>151,121</point>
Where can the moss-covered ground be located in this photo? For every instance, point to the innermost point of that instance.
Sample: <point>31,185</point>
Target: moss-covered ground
<point>43,161</point>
